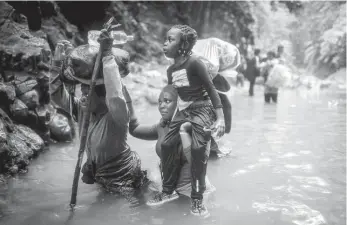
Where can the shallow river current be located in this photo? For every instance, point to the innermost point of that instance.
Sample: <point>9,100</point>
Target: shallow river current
<point>287,166</point>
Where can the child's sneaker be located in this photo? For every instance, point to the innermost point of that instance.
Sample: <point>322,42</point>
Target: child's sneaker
<point>198,208</point>
<point>162,197</point>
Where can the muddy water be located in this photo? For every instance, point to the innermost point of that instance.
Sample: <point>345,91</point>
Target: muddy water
<point>287,166</point>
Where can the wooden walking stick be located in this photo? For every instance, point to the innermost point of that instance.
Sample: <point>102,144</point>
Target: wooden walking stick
<point>86,119</point>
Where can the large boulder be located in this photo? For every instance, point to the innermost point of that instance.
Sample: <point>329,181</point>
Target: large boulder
<point>19,110</point>
<point>18,144</point>
<point>7,93</point>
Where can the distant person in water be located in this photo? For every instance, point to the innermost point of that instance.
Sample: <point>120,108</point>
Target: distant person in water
<point>110,161</point>
<point>253,70</point>
<point>241,70</point>
<point>270,93</point>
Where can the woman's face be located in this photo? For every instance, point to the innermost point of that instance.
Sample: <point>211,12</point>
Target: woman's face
<point>167,105</point>
<point>172,43</point>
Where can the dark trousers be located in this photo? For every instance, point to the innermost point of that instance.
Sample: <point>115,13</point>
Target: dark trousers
<point>270,96</point>
<point>251,86</point>
<point>199,116</point>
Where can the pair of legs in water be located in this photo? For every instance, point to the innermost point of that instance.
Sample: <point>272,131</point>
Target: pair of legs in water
<point>270,96</point>
<point>196,148</point>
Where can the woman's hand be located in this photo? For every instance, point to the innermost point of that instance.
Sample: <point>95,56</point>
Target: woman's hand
<point>106,42</point>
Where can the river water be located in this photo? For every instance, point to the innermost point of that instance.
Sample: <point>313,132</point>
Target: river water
<point>287,166</point>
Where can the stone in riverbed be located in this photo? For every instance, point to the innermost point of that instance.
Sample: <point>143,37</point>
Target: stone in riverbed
<point>3,138</point>
<point>33,140</point>
<point>18,143</point>
<point>7,122</point>
<point>25,86</point>
<point>19,110</point>
<point>60,128</point>
<point>30,99</point>
<point>7,94</point>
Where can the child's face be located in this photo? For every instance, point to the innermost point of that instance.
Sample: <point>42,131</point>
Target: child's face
<point>172,43</point>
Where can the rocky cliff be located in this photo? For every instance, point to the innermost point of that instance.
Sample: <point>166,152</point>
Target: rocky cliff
<point>28,121</point>
<point>25,111</point>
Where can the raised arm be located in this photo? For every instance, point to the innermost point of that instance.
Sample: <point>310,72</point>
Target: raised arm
<point>114,90</point>
<point>202,72</point>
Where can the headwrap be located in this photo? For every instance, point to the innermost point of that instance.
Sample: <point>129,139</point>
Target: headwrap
<point>172,90</point>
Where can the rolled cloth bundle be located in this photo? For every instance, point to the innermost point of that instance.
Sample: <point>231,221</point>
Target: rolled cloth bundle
<point>82,60</point>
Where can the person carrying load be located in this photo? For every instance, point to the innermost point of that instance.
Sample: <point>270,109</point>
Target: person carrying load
<point>110,161</point>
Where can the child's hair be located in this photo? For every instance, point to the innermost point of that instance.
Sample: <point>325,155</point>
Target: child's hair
<point>188,39</point>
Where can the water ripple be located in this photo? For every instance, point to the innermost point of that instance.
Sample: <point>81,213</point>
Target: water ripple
<point>294,211</point>
<point>311,180</point>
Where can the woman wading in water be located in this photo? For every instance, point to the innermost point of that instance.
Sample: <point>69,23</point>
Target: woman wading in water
<point>110,161</point>
<point>167,103</point>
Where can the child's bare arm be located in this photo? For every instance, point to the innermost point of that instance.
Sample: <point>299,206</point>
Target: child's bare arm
<point>202,72</point>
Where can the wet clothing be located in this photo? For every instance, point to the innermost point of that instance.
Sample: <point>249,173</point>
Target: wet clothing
<point>197,100</point>
<point>158,132</point>
<point>110,161</point>
<point>200,114</point>
<point>270,97</point>
<point>193,83</point>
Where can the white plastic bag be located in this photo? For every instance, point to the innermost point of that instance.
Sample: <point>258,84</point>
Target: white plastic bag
<point>278,76</point>
<point>219,56</point>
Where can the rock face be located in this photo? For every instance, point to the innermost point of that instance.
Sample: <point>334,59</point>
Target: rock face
<point>25,56</point>
<point>28,121</point>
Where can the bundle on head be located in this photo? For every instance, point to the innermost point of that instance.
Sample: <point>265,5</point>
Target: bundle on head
<point>82,60</point>
<point>188,38</point>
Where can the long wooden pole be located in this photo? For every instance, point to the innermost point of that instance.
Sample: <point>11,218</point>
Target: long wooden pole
<point>85,124</point>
